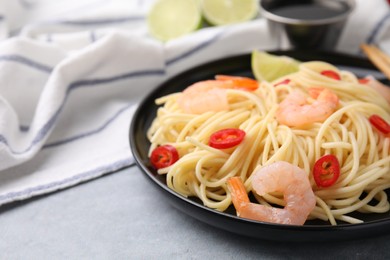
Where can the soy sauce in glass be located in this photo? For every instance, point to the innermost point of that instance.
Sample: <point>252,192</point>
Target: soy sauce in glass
<point>311,11</point>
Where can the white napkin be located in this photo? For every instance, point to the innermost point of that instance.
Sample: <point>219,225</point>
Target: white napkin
<point>73,71</point>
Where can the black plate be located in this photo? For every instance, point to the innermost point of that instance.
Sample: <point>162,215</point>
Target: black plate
<point>375,224</point>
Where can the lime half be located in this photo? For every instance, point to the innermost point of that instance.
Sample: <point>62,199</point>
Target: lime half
<point>169,19</point>
<point>269,67</point>
<point>222,12</point>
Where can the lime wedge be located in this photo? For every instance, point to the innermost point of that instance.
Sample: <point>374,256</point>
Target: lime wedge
<point>269,67</point>
<point>222,12</point>
<point>169,19</point>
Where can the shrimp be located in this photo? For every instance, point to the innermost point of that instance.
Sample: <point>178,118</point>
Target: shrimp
<point>203,96</point>
<point>382,89</point>
<point>211,95</point>
<point>294,110</point>
<point>281,177</point>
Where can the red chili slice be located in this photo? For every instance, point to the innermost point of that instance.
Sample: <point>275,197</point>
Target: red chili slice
<point>164,156</point>
<point>226,138</point>
<point>331,74</point>
<point>326,171</point>
<point>286,81</point>
<point>380,124</point>
<point>363,80</point>
<point>238,82</point>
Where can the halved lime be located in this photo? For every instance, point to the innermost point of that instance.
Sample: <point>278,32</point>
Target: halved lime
<point>169,19</point>
<point>222,12</point>
<point>269,67</point>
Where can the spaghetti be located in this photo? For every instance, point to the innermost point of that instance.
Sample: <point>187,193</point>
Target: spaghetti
<point>362,151</point>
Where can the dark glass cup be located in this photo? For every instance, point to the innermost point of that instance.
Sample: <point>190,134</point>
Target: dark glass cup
<point>306,24</point>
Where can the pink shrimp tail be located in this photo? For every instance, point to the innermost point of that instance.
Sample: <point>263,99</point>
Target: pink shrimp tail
<point>277,177</point>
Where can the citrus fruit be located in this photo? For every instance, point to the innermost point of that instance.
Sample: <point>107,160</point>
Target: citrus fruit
<point>269,67</point>
<point>169,19</point>
<point>222,12</point>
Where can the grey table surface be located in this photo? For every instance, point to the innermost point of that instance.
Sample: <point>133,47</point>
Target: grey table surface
<point>121,216</point>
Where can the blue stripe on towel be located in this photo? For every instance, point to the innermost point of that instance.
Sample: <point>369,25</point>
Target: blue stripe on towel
<point>24,128</point>
<point>92,36</point>
<point>195,49</point>
<point>82,23</point>
<point>99,21</point>
<point>26,61</point>
<point>92,132</point>
<point>93,82</point>
<point>52,186</point>
<point>377,28</point>
<point>26,4</point>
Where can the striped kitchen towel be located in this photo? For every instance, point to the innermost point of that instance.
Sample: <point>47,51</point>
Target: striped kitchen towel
<point>72,73</point>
